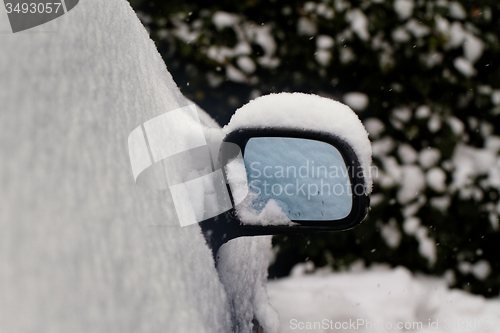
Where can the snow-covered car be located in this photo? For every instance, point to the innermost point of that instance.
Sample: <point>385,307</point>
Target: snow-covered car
<point>83,247</point>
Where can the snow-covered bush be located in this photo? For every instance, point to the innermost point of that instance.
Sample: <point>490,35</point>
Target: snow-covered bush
<point>422,76</point>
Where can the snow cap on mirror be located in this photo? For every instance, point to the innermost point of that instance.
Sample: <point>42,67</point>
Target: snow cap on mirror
<point>307,112</point>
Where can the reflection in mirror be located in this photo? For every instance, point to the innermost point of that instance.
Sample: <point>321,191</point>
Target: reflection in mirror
<point>307,178</point>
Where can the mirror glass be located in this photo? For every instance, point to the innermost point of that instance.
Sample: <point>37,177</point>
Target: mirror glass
<point>307,178</point>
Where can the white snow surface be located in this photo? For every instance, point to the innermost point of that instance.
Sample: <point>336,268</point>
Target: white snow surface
<point>223,20</point>
<point>235,74</point>
<point>404,8</point>
<point>374,126</point>
<point>391,234</point>
<point>246,64</point>
<point>306,27</point>
<point>412,183</point>
<point>383,146</point>
<point>436,179</point>
<point>441,203</point>
<point>237,179</point>
<point>481,269</point>
<point>470,162</point>
<point>429,157</point>
<point>457,126</point>
<point>359,23</point>
<point>323,57</point>
<point>271,214</point>
<point>432,58</point>
<point>408,299</point>
<point>324,42</point>
<point>457,34</point>
<point>473,47</point>
<point>423,111</point>
<point>434,123</point>
<point>407,154</point>
<point>358,101</point>
<point>402,113</point>
<point>418,29</point>
<point>244,197</point>
<point>82,247</point>
<point>426,245</point>
<point>307,112</point>
<point>464,66</point>
<point>495,97</point>
<point>246,281</point>
<point>457,11</point>
<point>400,35</point>
<point>411,225</point>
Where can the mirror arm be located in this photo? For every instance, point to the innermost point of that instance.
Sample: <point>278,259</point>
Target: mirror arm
<point>220,229</point>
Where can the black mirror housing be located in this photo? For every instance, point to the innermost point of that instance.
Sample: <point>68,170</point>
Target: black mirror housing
<point>360,200</point>
<point>229,225</point>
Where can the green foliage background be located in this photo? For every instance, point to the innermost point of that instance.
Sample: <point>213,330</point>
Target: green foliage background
<point>399,76</point>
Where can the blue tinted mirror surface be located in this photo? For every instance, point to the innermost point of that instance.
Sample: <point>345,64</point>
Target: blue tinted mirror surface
<point>307,178</point>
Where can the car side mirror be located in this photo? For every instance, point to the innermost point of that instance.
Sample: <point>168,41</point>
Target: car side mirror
<point>288,181</point>
<point>296,180</point>
<point>293,163</point>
